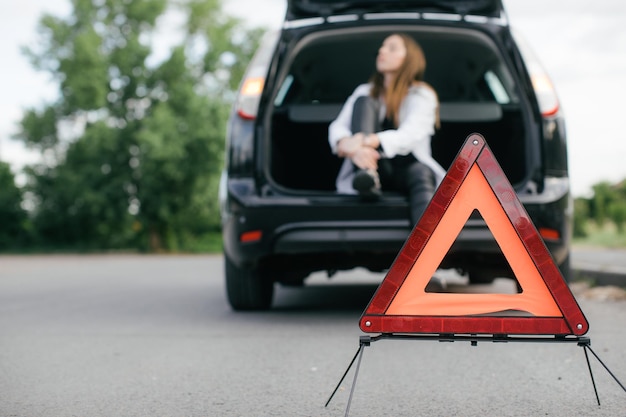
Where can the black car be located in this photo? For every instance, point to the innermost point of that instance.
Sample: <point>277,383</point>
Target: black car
<point>282,218</point>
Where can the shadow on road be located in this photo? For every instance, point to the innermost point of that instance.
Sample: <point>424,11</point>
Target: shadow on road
<point>353,291</point>
<point>326,298</point>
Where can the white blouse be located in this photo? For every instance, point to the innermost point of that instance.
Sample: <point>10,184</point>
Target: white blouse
<point>417,118</point>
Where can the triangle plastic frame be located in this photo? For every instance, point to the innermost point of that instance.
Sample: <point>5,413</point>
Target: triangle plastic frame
<point>475,180</point>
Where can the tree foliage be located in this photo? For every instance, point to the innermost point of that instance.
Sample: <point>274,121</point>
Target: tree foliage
<point>132,149</point>
<point>608,204</point>
<point>581,217</point>
<point>603,197</point>
<point>13,224</point>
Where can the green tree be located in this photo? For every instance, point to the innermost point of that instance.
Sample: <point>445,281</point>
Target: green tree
<point>13,226</point>
<point>603,197</point>
<point>617,213</point>
<point>83,201</point>
<point>132,151</point>
<point>581,217</point>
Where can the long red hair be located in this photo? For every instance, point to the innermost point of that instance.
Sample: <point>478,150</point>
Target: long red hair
<point>411,73</point>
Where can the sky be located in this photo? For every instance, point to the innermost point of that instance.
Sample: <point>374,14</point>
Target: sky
<point>581,44</point>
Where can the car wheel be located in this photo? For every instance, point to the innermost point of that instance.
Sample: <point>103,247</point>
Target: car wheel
<point>478,277</point>
<point>247,288</point>
<point>566,269</point>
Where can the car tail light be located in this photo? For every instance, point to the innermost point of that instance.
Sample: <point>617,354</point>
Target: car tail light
<point>249,97</point>
<point>251,236</point>
<point>542,85</point>
<point>546,95</point>
<point>549,234</point>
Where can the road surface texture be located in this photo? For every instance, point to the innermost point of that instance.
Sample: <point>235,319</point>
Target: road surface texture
<point>134,336</point>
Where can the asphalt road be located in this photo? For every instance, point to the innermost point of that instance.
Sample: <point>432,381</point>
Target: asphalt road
<point>603,266</point>
<point>153,336</point>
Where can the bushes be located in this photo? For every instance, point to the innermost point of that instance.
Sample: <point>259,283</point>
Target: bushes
<point>602,213</point>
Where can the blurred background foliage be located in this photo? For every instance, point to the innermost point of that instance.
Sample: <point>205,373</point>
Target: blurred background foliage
<point>600,220</point>
<point>131,151</point>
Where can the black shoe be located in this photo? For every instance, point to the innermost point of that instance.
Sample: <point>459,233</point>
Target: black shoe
<point>367,183</point>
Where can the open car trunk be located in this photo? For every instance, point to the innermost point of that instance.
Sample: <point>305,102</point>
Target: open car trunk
<point>302,9</point>
<point>474,84</point>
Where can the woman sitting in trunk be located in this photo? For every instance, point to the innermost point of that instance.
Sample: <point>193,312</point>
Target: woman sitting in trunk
<point>385,127</point>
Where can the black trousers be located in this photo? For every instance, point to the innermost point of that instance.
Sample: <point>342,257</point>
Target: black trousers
<point>403,173</point>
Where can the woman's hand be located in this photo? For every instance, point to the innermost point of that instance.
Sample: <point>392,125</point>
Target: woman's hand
<point>361,149</point>
<point>366,158</point>
<point>371,141</point>
<point>346,147</point>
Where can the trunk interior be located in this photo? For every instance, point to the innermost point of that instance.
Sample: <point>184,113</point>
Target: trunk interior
<point>475,88</point>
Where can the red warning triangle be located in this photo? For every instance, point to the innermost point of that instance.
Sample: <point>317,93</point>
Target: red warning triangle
<point>475,181</point>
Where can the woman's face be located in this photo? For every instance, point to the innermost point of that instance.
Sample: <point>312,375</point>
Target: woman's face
<point>391,55</point>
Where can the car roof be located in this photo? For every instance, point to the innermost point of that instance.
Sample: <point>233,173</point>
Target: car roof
<point>302,9</point>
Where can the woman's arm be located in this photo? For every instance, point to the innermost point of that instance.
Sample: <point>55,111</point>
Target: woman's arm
<point>340,128</point>
<point>418,114</point>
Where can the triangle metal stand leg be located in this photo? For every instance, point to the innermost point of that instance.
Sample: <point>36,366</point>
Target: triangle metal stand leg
<point>586,344</point>
<point>363,342</point>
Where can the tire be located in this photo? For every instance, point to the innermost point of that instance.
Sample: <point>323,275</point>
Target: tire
<point>566,269</point>
<point>246,288</point>
<point>476,277</point>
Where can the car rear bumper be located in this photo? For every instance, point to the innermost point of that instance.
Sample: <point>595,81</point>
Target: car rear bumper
<point>340,232</point>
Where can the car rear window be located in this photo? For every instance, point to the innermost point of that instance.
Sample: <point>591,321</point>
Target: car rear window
<point>462,65</point>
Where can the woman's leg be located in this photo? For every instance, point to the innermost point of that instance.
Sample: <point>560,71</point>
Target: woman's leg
<point>420,182</point>
<point>365,116</point>
<point>365,120</point>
